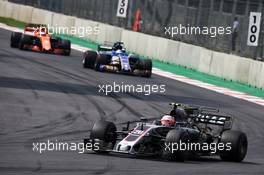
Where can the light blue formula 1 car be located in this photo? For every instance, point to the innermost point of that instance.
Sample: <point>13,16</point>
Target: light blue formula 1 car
<point>115,59</point>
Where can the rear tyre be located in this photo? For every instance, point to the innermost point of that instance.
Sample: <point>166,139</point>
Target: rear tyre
<point>146,66</point>
<point>15,39</point>
<point>238,142</point>
<point>174,137</point>
<point>66,44</point>
<point>101,60</point>
<point>104,131</point>
<point>89,58</point>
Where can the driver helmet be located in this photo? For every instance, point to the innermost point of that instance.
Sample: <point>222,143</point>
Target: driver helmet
<point>118,46</point>
<point>43,31</point>
<point>167,120</point>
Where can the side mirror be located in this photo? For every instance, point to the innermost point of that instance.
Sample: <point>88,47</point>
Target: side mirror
<point>143,119</point>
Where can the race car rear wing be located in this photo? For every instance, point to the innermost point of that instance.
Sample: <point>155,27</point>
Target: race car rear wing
<point>214,119</point>
<point>36,25</point>
<point>32,26</point>
<point>207,115</point>
<point>104,48</point>
<point>107,46</point>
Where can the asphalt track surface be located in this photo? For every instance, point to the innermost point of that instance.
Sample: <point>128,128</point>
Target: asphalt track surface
<point>52,97</point>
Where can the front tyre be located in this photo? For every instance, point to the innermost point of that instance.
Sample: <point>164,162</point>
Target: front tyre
<point>89,58</point>
<point>174,138</point>
<point>105,132</point>
<point>101,61</point>
<point>15,39</point>
<point>25,40</point>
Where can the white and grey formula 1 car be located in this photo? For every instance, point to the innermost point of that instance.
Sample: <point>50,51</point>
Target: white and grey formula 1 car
<point>195,125</point>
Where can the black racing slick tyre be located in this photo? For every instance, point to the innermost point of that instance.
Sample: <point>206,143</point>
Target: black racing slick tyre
<point>104,131</point>
<point>238,144</point>
<point>15,39</point>
<point>101,60</point>
<point>172,142</point>
<point>25,40</point>
<point>66,45</point>
<point>89,58</point>
<point>133,59</point>
<point>146,66</point>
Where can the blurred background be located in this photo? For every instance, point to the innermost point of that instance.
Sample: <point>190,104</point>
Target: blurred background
<point>155,15</point>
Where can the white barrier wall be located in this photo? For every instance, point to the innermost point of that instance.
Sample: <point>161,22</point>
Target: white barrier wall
<point>25,13</point>
<point>87,23</point>
<point>205,61</point>
<point>172,51</point>
<point>40,16</point>
<point>62,22</point>
<point>108,33</point>
<point>5,9</point>
<point>261,77</point>
<point>214,63</point>
<point>256,73</point>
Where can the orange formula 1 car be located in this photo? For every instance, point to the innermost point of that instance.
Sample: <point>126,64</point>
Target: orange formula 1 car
<point>36,38</point>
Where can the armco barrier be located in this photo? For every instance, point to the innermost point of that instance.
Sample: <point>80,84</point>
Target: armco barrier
<point>214,63</point>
